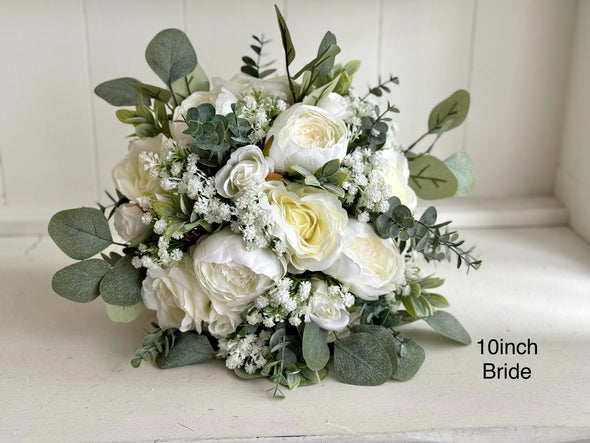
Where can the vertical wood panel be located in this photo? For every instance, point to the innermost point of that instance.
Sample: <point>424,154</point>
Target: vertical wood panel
<point>427,44</point>
<point>44,120</point>
<point>2,185</point>
<point>355,25</point>
<point>118,33</point>
<point>519,76</point>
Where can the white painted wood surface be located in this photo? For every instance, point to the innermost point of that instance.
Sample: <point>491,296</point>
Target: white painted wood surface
<point>572,184</point>
<point>65,373</point>
<point>62,155</point>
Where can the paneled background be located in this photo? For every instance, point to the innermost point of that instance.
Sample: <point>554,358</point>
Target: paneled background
<point>525,63</point>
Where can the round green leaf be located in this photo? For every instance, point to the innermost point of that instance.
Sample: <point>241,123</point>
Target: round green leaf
<point>196,81</point>
<point>316,352</point>
<point>120,92</point>
<point>447,325</point>
<point>431,178</point>
<point>80,233</point>
<point>171,55</point>
<point>190,348</point>
<point>80,282</point>
<point>123,314</point>
<point>359,359</point>
<point>410,359</point>
<point>385,338</point>
<point>121,286</point>
<point>454,107</point>
<point>462,167</point>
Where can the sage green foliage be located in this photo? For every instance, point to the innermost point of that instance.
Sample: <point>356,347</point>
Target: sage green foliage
<point>421,302</point>
<point>462,167</point>
<point>123,314</point>
<point>329,177</point>
<point>216,134</point>
<point>385,338</point>
<point>431,179</point>
<point>372,133</point>
<point>397,218</point>
<point>190,348</point>
<point>120,200</point>
<point>120,92</point>
<point>410,358</point>
<point>316,352</point>
<point>359,359</point>
<point>81,233</point>
<point>454,108</point>
<point>382,87</point>
<point>156,343</point>
<point>185,86</point>
<point>178,212</point>
<point>343,75</point>
<point>288,48</point>
<point>253,67</point>
<point>171,55</point>
<point>80,282</point>
<point>121,286</point>
<point>447,325</point>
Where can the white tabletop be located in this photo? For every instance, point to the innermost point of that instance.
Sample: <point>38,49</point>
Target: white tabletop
<point>65,372</point>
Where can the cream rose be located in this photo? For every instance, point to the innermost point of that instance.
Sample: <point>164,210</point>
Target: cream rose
<point>396,173</point>
<point>310,221</point>
<point>338,106</point>
<point>327,312</point>
<point>174,293</point>
<point>130,176</point>
<point>241,84</point>
<point>245,170</point>
<point>307,136</point>
<point>128,222</point>
<point>232,276</point>
<point>368,264</point>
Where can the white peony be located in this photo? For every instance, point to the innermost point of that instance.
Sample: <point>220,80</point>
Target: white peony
<point>307,136</point>
<point>130,176</point>
<point>395,170</point>
<point>369,265</point>
<point>310,221</point>
<point>245,170</point>
<point>338,106</point>
<point>232,276</point>
<point>128,222</point>
<point>328,312</point>
<point>241,84</point>
<point>175,294</point>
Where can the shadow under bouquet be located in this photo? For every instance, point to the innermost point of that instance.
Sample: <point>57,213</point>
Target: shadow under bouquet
<point>269,221</point>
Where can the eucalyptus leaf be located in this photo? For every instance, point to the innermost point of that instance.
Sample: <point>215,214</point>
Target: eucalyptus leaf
<point>121,286</point>
<point>431,178</point>
<point>241,372</point>
<point>171,55</point>
<point>359,359</point>
<point>190,348</point>
<point>309,377</point>
<point>447,325</point>
<point>316,352</point>
<point>410,359</point>
<point>120,92</point>
<point>319,93</point>
<point>463,169</point>
<point>124,314</point>
<point>385,338</point>
<point>80,282</point>
<point>195,81</point>
<point>285,37</point>
<point>455,107</point>
<point>81,232</point>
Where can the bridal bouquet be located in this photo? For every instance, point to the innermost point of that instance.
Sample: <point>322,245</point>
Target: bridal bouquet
<point>269,221</point>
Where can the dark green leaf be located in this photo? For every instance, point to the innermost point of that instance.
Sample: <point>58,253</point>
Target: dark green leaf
<point>248,61</point>
<point>190,348</point>
<point>80,282</point>
<point>454,107</point>
<point>431,178</point>
<point>410,359</point>
<point>359,359</point>
<point>122,284</point>
<point>80,233</point>
<point>120,92</point>
<point>429,216</point>
<point>171,55</point>
<point>285,38</point>
<point>447,325</point>
<point>250,71</point>
<point>316,352</point>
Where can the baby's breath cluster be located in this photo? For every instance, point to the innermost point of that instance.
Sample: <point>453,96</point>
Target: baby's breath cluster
<point>260,110</point>
<point>250,351</point>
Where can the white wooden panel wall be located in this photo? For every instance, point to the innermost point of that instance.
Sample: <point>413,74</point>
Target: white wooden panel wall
<point>60,142</point>
<point>573,175</point>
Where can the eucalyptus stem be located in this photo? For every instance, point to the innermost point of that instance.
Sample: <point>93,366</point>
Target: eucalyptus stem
<point>417,141</point>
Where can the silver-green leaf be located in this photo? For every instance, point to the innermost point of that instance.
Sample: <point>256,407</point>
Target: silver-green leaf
<point>121,286</point>
<point>454,108</point>
<point>359,359</point>
<point>124,314</point>
<point>171,55</point>
<point>431,178</point>
<point>81,232</point>
<point>316,352</point>
<point>447,325</point>
<point>462,168</point>
<point>80,282</point>
<point>120,92</point>
<point>385,338</point>
<point>190,348</point>
<point>410,359</point>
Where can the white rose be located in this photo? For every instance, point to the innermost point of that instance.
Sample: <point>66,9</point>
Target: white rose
<point>130,176</point>
<point>246,169</point>
<point>310,221</point>
<point>233,276</point>
<point>128,222</point>
<point>369,265</point>
<point>175,294</point>
<point>220,97</point>
<point>327,312</point>
<point>338,106</point>
<point>241,84</point>
<point>307,136</point>
<point>396,173</point>
<point>221,325</point>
